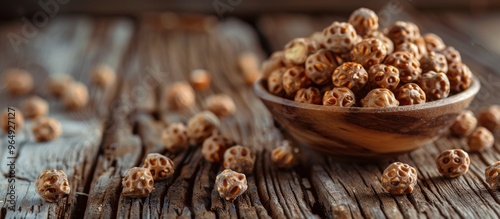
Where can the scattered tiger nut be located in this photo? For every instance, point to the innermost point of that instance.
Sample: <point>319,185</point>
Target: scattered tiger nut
<point>297,50</point>
<point>492,175</point>
<point>320,66</point>
<point>351,75</point>
<point>368,52</point>
<point>240,159</point>
<point>46,129</point>
<point>75,96</point>
<point>339,37</point>
<point>408,66</point>
<point>383,76</point>
<point>400,32</point>
<point>364,21</point>
<point>57,83</point>
<point>410,48</point>
<point>200,79</point>
<point>18,81</point>
<point>481,139</point>
<point>201,126</point>
<point>103,76</point>
<point>452,55</point>
<point>137,183</point>
<point>16,118</point>
<point>410,94</point>
<point>175,137</point>
<point>34,107</point>
<point>180,95</point>
<point>275,82</point>
<point>52,185</point>
<point>380,97</point>
<point>384,39</point>
<point>453,163</point>
<point>309,95</point>
<point>434,42</point>
<point>339,96</point>
<point>275,61</point>
<point>250,66</point>
<point>465,124</point>
<point>460,77</point>
<point>221,105</point>
<point>159,166</point>
<point>295,78</point>
<point>284,156</point>
<point>434,61</point>
<point>490,117</point>
<point>399,178</point>
<point>435,85</point>
<point>231,184</point>
<point>213,147</point>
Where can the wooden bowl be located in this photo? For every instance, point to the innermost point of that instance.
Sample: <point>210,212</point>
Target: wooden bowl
<point>366,133</point>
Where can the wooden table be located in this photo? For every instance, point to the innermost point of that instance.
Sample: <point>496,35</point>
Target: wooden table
<point>123,123</point>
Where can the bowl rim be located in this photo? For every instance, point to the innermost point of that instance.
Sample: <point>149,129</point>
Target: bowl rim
<point>469,92</point>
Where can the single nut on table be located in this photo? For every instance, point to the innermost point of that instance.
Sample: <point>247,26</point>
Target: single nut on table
<point>480,139</point>
<point>435,85</point>
<point>408,66</point>
<point>221,105</point>
<point>309,95</point>
<point>490,117</point>
<point>293,79</point>
<point>320,66</point>
<point>400,32</point>
<point>434,61</point>
<point>434,42</point>
<point>460,77</point>
<point>453,163</point>
<point>11,119</point>
<point>452,55</point>
<point>410,94</point>
<point>137,183</point>
<point>399,178</point>
<point>465,124</point>
<point>383,76</point>
<point>339,96</point>
<point>58,82</point>
<point>46,129</point>
<point>201,126</point>
<point>364,21</point>
<point>249,66</point>
<point>410,48</point>
<point>351,75</point>
<point>275,61</point>
<point>230,184</point>
<point>384,39</point>
<point>492,175</point>
<point>274,82</point>
<point>175,137</point>
<point>34,107</point>
<point>180,95</point>
<point>75,96</point>
<point>103,76</point>
<point>380,97</point>
<point>339,37</point>
<point>159,166</point>
<point>368,52</point>
<point>200,79</point>
<point>297,50</point>
<point>52,185</point>
<point>17,81</point>
<point>284,156</point>
<point>213,147</point>
<point>240,159</point>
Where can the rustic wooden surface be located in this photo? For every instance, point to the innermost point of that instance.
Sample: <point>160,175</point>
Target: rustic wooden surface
<point>122,125</point>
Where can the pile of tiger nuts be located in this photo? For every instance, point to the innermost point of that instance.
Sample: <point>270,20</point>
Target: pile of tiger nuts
<point>354,63</point>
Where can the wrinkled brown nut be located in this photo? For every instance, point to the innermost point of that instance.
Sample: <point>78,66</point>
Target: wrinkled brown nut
<point>387,42</point>
<point>434,42</point>
<point>201,126</point>
<point>293,79</point>
<point>492,175</point>
<point>213,147</point>
<point>460,77</point>
<point>452,55</point>
<point>339,37</point>
<point>308,95</point>
<point>339,96</point>
<point>465,124</point>
<point>380,97</point>
<point>52,185</point>
<point>17,81</point>
<point>16,118</point>
<point>408,66</point>
<point>46,129</point>
<point>274,82</point>
<point>34,107</point>
<point>317,37</point>
<point>58,83</point>
<point>159,166</point>
<point>453,163</point>
<point>250,66</point>
<point>400,32</point>
<point>399,178</point>
<point>351,75</point>
<point>297,50</point>
<point>200,79</point>
<point>240,159</point>
<point>422,47</point>
<point>434,61</point>
<point>137,183</point>
<point>175,137</point>
<point>320,66</point>
<point>490,117</point>
<point>410,48</point>
<point>180,95</point>
<point>481,139</point>
<point>383,76</point>
<point>103,76</point>
<point>284,156</point>
<point>364,21</point>
<point>275,61</point>
<point>75,96</point>
<point>230,184</point>
<point>368,52</point>
<point>410,94</point>
<point>221,105</point>
<point>435,85</point>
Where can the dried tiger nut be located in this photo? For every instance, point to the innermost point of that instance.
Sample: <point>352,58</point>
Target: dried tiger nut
<point>275,61</point>
<point>490,117</point>
<point>221,105</point>
<point>383,76</point>
<point>351,75</point>
<point>364,21</point>
<point>339,37</point>
<point>481,139</point>
<point>213,147</point>
<point>52,185</point>
<point>103,76</point>
<point>320,66</point>
<point>293,79</point>
<point>434,61</point>
<point>18,81</point>
<point>421,46</point>
<point>284,156</point>
<point>297,50</point>
<point>460,77</point>
<point>453,163</point>
<point>464,124</point>
<point>318,38</point>
<point>180,95</point>
<point>400,32</point>
<point>249,66</point>
<point>339,96</point>
<point>200,79</point>
<point>15,117</point>
<point>201,126</point>
<point>175,137</point>
<point>309,95</point>
<point>231,184</point>
<point>435,85</point>
<point>240,159</point>
<point>408,66</point>
<point>75,96</point>
<point>452,55</point>
<point>137,183</point>
<point>410,94</point>
<point>410,48</point>
<point>433,42</point>
<point>399,178</point>
<point>57,83</point>
<point>368,52</point>
<point>159,166</point>
<point>34,107</point>
<point>275,82</point>
<point>46,129</point>
<point>385,40</point>
<point>492,175</point>
<point>380,97</point>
